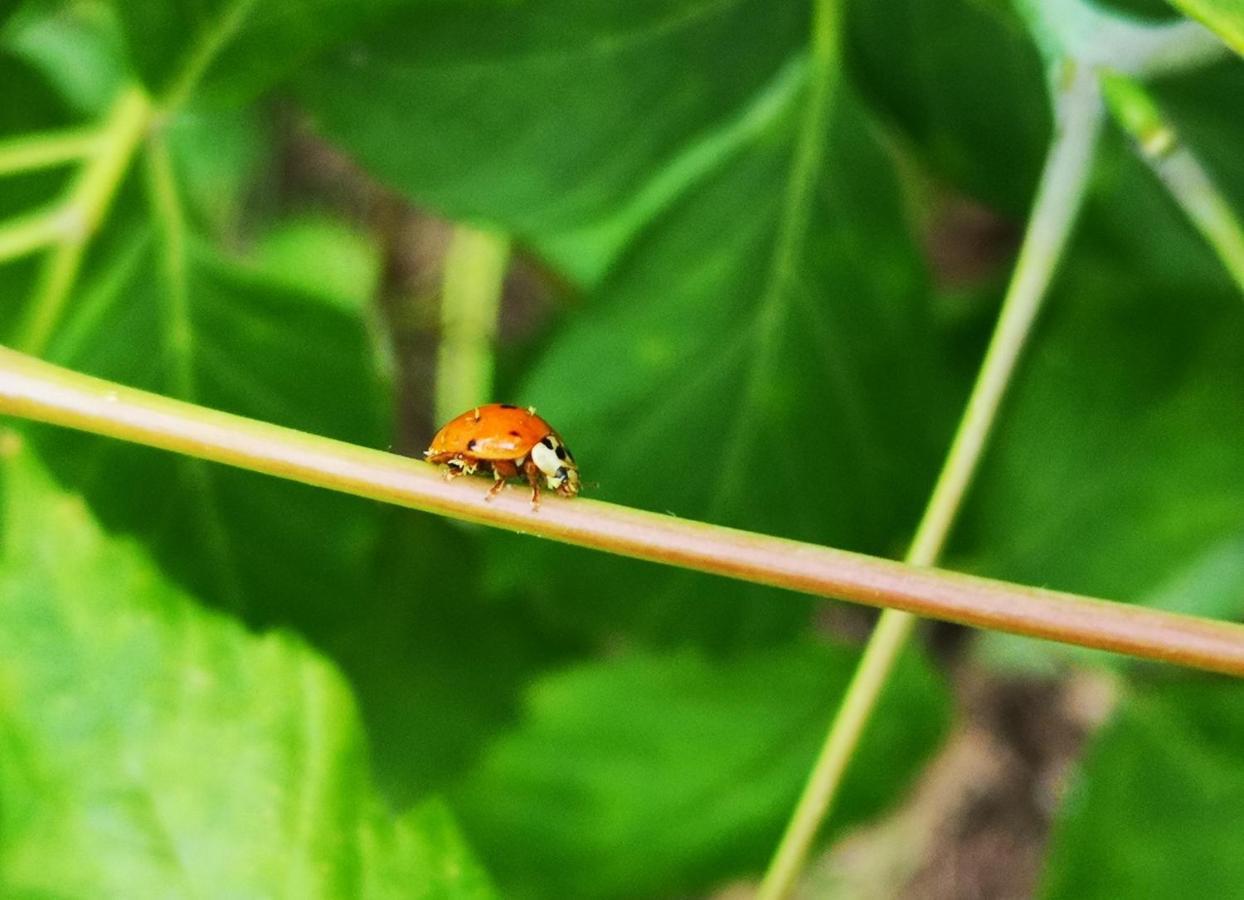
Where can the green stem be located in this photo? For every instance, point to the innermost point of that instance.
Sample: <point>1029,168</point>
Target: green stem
<point>1182,173</point>
<point>34,389</point>
<point>1058,199</point>
<point>470,302</point>
<point>84,209</point>
<point>42,151</point>
<point>1097,36</point>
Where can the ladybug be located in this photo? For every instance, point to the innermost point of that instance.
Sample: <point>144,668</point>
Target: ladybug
<point>508,441</point>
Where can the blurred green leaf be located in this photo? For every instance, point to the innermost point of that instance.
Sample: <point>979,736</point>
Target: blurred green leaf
<point>438,671</point>
<point>663,774</point>
<point>223,335</point>
<point>1211,585</point>
<point>1224,17</point>
<point>225,52</point>
<point>151,748</point>
<point>78,46</point>
<point>569,124</point>
<point>963,84</point>
<point>29,105</point>
<point>220,156</point>
<point>1154,809</point>
<point>79,49</point>
<point>241,47</point>
<point>321,257</point>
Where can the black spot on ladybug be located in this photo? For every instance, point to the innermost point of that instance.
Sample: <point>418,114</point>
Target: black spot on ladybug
<point>561,452</point>
<point>508,406</point>
<point>547,441</point>
<point>514,433</point>
<point>471,444</point>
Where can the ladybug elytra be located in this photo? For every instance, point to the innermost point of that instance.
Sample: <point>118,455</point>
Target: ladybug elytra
<point>507,441</point>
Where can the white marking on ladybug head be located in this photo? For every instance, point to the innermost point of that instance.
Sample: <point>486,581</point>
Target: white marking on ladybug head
<point>555,462</point>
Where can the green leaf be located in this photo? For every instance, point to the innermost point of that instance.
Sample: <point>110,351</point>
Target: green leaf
<point>219,156</point>
<point>580,123</point>
<point>234,49</point>
<point>963,83</point>
<point>173,315</point>
<point>754,364</point>
<point>221,52</point>
<point>1154,809</point>
<point>1224,17</point>
<point>428,860</point>
<point>151,748</point>
<point>658,775</point>
<point>29,106</point>
<point>439,671</point>
<point>321,257</point>
<point>77,46</point>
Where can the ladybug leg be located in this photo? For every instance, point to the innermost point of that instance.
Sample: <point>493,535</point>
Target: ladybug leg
<point>455,464</point>
<point>532,473</point>
<point>501,470</point>
<point>498,484</point>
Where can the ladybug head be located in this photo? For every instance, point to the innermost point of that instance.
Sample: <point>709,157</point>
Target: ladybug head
<point>558,466</point>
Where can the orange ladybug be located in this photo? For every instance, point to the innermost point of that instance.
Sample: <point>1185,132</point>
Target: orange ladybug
<point>508,441</point>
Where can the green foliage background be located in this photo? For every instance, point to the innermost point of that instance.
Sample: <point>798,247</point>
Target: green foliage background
<point>213,682</point>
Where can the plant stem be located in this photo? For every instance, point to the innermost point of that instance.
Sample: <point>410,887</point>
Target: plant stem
<point>41,151</point>
<point>1182,173</point>
<point>1058,199</point>
<point>470,300</point>
<point>1099,37</point>
<point>34,389</point>
<point>84,209</point>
